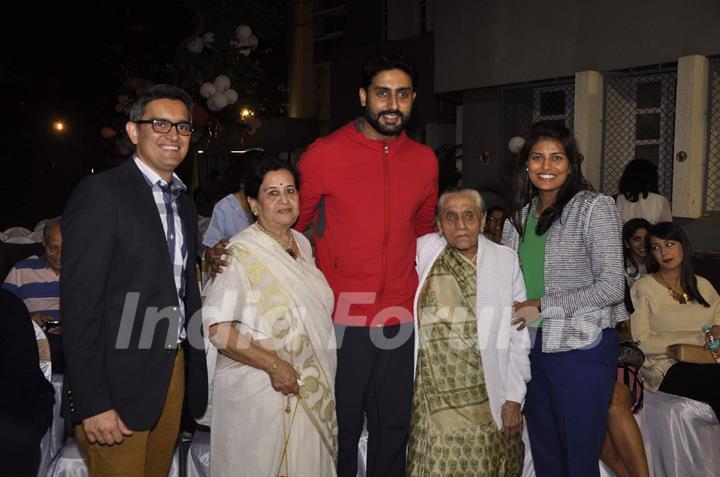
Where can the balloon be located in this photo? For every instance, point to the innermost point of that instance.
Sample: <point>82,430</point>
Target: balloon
<point>211,105</point>
<point>243,32</point>
<point>219,101</point>
<point>196,46</point>
<point>222,83</point>
<point>199,116</point>
<point>207,90</point>
<point>231,96</point>
<point>515,144</point>
<point>208,37</point>
<point>107,133</point>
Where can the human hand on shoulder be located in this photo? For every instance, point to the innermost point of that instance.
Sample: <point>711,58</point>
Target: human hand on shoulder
<point>216,257</point>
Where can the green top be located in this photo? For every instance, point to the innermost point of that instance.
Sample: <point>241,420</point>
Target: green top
<point>531,252</point>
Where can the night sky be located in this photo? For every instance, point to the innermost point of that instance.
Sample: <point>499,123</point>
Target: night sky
<point>69,61</point>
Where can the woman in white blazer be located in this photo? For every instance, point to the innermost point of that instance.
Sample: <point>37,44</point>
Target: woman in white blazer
<point>471,363</point>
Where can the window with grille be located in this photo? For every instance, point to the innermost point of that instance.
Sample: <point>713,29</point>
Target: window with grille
<point>639,122</point>
<point>522,106</point>
<point>712,164</point>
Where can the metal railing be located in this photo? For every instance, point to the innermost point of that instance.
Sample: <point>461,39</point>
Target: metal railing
<point>526,104</point>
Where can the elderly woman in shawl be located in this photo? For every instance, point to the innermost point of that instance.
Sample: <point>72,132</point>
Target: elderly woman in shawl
<point>471,363</point>
<point>271,350</point>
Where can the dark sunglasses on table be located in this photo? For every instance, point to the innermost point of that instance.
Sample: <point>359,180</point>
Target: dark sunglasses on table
<point>162,126</point>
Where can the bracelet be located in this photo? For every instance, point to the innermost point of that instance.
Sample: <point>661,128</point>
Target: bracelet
<point>274,366</point>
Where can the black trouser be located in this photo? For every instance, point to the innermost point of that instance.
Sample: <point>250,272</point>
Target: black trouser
<point>20,435</point>
<point>695,381</point>
<point>374,378</point>
<point>56,353</point>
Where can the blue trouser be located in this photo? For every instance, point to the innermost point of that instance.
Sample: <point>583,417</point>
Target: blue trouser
<point>566,407</point>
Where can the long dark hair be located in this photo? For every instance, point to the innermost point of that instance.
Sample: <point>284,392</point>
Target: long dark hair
<point>523,191</point>
<point>640,177</point>
<point>630,227</point>
<point>688,281</point>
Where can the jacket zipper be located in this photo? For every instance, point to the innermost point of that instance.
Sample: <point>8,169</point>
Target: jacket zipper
<point>386,231</point>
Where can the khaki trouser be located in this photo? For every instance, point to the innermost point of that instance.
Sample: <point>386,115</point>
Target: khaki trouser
<point>144,453</point>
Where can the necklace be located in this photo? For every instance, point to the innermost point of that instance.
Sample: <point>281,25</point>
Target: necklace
<point>681,298</point>
<point>288,246</point>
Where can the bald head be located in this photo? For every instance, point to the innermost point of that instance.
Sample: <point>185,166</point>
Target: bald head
<point>52,242</point>
<point>461,218</point>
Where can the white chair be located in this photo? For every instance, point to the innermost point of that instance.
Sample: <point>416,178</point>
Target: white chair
<point>363,450</point>
<point>3,237</point>
<point>176,465</point>
<point>682,436</point>
<point>20,239</point>
<point>37,236</point>
<point>58,428</point>
<point>69,462</point>
<point>46,368</point>
<point>41,225</point>
<point>198,457</point>
<point>17,232</point>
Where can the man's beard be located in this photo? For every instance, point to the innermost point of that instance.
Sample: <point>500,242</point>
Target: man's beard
<point>395,130</point>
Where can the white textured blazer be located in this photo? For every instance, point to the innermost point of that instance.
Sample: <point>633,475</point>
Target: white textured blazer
<point>504,350</point>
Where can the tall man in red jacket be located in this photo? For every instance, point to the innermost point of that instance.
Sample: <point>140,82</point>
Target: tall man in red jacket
<point>372,191</point>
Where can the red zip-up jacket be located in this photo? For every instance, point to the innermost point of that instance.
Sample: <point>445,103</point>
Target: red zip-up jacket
<point>370,200</point>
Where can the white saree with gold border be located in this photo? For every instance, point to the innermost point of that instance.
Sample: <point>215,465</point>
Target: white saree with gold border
<point>268,295</point>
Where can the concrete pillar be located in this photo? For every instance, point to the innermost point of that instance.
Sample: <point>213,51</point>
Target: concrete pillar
<point>588,122</point>
<point>301,91</point>
<point>691,108</point>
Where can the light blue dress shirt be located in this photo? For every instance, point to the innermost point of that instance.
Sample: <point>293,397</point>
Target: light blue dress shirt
<point>228,218</point>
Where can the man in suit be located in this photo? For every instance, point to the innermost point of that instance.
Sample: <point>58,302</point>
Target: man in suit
<point>130,298</point>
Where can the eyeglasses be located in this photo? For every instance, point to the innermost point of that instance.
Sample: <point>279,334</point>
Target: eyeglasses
<point>163,126</point>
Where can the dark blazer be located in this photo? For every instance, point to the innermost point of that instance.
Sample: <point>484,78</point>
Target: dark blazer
<point>116,275</point>
<point>27,398</point>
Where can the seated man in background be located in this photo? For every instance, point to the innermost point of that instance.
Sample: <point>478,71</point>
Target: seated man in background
<point>36,281</point>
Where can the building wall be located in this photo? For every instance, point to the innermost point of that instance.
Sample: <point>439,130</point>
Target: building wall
<point>403,19</point>
<point>482,46</point>
<point>482,129</point>
<point>345,80</point>
<point>498,42</point>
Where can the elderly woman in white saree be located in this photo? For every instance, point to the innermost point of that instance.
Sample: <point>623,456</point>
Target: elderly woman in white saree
<point>271,350</point>
<point>471,363</point>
